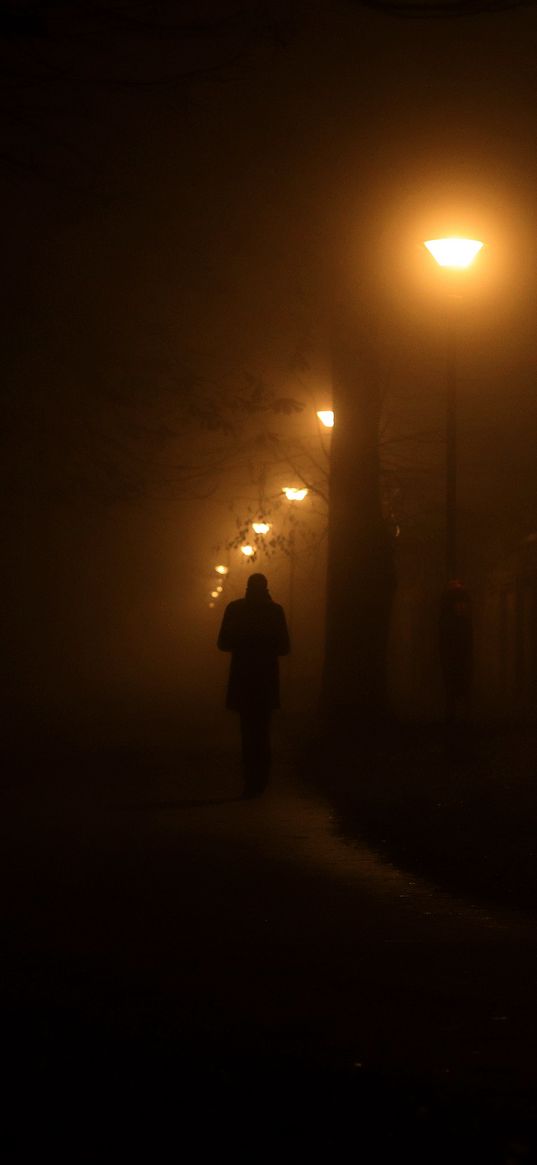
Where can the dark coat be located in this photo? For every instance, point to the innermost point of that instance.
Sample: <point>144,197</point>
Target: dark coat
<point>255,632</point>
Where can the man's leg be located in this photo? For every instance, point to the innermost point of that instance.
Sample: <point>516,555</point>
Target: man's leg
<point>255,734</point>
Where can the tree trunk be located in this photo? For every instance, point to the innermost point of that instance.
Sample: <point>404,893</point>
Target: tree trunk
<point>361,575</point>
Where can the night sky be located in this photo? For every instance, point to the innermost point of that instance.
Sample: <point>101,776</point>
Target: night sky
<point>187,194</point>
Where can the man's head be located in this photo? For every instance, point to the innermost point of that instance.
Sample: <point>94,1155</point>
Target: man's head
<point>257,587</point>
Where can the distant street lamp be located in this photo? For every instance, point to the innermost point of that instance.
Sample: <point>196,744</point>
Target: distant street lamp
<point>261,527</point>
<point>247,550</point>
<point>293,494</point>
<point>220,569</point>
<point>326,417</point>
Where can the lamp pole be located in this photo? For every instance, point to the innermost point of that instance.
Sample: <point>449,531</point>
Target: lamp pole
<point>293,494</point>
<point>455,610</point>
<point>456,254</point>
<point>451,440</point>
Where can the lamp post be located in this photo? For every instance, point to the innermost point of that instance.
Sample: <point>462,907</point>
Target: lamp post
<point>293,494</point>
<point>455,254</point>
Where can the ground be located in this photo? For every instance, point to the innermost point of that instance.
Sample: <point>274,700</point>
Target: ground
<point>183,964</point>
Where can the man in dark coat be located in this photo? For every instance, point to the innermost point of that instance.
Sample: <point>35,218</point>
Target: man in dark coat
<point>254,630</point>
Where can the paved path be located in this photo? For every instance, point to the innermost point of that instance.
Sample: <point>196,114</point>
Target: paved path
<point>156,913</point>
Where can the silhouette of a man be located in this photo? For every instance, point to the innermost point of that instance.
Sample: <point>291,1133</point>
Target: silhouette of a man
<point>254,630</point>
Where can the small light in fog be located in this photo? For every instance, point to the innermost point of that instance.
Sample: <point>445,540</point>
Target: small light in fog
<point>219,590</point>
<point>294,495</point>
<point>247,551</point>
<point>326,417</point>
<point>211,604</point>
<point>261,527</point>
<point>454,252</point>
<point>221,569</point>
<point>214,594</point>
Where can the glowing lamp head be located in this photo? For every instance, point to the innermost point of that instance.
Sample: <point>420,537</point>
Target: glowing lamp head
<point>294,495</point>
<point>214,594</point>
<point>453,252</point>
<point>261,527</point>
<point>219,590</point>
<point>247,551</point>
<point>221,569</point>
<point>326,417</point>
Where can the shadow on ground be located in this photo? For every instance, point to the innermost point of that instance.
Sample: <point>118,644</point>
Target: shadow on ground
<point>182,1095</point>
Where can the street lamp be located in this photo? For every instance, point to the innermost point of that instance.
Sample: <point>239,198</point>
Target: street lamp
<point>456,254</point>
<point>293,494</point>
<point>261,527</point>
<point>247,550</point>
<point>452,252</point>
<point>455,613</point>
<point>326,417</point>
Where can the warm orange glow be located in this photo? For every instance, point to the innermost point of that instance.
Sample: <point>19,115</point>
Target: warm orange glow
<point>214,594</point>
<point>211,604</point>
<point>326,417</point>
<point>247,551</point>
<point>454,252</point>
<point>221,569</point>
<point>293,494</point>
<point>219,590</point>
<point>261,527</point>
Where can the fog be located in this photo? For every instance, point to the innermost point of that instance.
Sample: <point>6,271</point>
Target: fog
<point>189,234</point>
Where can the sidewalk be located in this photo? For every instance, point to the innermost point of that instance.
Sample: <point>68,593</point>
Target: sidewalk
<point>462,813</point>
<point>183,962</point>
